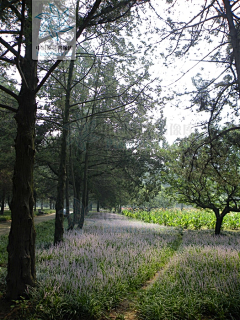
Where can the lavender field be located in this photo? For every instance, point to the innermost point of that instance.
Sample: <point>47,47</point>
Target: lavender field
<point>94,269</point>
<point>111,259</point>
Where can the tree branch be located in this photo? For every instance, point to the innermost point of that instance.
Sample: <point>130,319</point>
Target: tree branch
<point>9,92</point>
<point>6,45</point>
<point>79,32</point>
<point>8,108</point>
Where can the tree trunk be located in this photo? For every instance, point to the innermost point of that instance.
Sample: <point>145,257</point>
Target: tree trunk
<point>21,247</point>
<point>219,218</point>
<point>35,199</point>
<point>58,235</point>
<point>77,202</point>
<point>218,224</point>
<point>87,203</point>
<point>3,201</point>
<point>234,35</point>
<point>98,206</point>
<point>84,194</point>
<point>67,192</point>
<point>67,199</point>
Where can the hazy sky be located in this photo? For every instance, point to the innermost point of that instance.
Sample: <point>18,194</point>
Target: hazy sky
<point>181,122</point>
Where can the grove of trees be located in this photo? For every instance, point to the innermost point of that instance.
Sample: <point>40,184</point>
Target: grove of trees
<point>84,128</point>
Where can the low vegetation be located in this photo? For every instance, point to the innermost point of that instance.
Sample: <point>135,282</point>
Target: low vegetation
<point>188,218</point>
<point>92,271</point>
<point>110,260</point>
<point>7,214</point>
<point>204,276</point>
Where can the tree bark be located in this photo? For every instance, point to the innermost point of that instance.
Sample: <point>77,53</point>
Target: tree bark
<point>235,38</point>
<point>35,199</point>
<point>59,230</point>
<point>21,246</point>
<point>84,194</point>
<point>219,219</point>
<point>218,224</point>
<point>77,202</point>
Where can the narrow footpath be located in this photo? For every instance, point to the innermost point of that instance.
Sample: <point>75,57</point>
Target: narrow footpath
<point>5,226</point>
<point>127,308</point>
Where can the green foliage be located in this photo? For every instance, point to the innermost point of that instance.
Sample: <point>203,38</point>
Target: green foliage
<point>188,218</point>
<point>6,216</point>
<point>3,250</point>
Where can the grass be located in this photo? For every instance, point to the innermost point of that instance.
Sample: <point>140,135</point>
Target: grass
<point>204,276</point>
<point>110,260</point>
<point>7,214</point>
<point>188,218</point>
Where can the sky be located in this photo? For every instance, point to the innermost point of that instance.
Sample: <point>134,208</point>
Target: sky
<point>180,121</point>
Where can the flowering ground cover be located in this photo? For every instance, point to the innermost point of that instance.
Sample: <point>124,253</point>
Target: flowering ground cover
<point>202,281</point>
<point>94,269</point>
<point>188,218</point>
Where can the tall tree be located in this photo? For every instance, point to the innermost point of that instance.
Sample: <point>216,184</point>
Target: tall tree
<point>216,24</point>
<point>206,173</point>
<point>16,22</point>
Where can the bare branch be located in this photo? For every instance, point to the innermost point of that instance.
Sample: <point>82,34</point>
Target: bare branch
<point>79,32</point>
<point>10,48</point>
<point>9,92</point>
<point>9,32</point>
<point>7,60</point>
<point>8,107</point>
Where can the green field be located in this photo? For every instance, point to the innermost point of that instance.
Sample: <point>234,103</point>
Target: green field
<point>188,218</point>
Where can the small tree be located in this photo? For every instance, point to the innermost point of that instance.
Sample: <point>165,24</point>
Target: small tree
<point>206,173</point>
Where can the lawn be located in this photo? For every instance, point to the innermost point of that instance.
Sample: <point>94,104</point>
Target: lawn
<point>93,270</point>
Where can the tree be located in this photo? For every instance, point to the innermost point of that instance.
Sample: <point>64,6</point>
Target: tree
<point>16,22</point>
<point>206,173</point>
<point>215,23</point>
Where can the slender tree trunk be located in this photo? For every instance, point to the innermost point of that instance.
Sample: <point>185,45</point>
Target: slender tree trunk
<point>84,194</point>
<point>35,200</point>
<point>87,202</point>
<point>98,206</point>
<point>218,225</point>
<point>3,201</point>
<point>77,202</point>
<point>67,192</point>
<point>219,219</point>
<point>67,199</point>
<point>58,235</point>
<point>234,35</point>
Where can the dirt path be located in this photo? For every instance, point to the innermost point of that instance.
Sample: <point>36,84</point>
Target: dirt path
<point>5,226</point>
